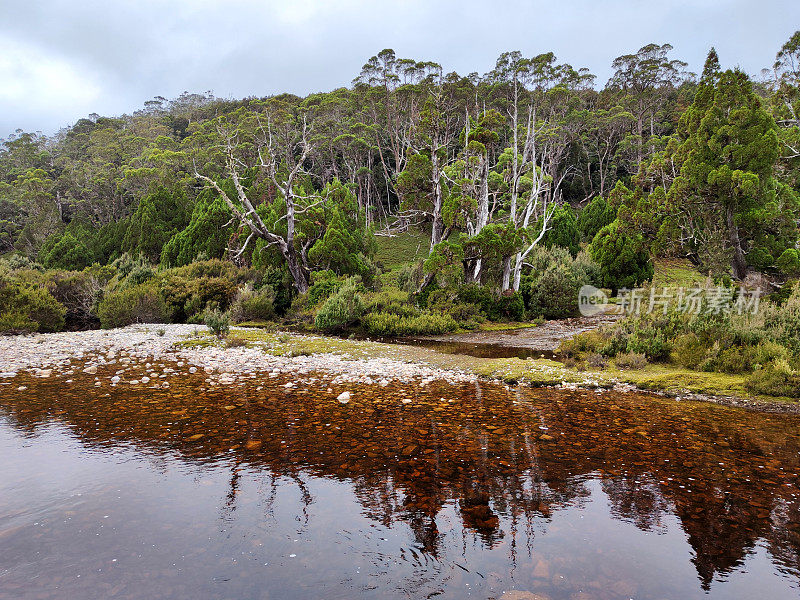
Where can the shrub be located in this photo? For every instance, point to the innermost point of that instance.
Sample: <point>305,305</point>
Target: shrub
<point>325,284</point>
<point>410,277</point>
<point>18,262</point>
<point>65,251</point>
<point>555,280</point>
<point>140,304</point>
<point>788,263</point>
<point>782,323</point>
<point>597,214</point>
<point>589,341</point>
<point>631,360</point>
<point>342,309</point>
<point>777,379</point>
<point>218,322</point>
<point>446,301</point>
<point>391,299</point>
<point>563,230</point>
<point>689,351</point>
<point>509,306</point>
<point>79,292</point>
<point>191,290</point>
<point>554,295</point>
<point>389,324</point>
<point>596,360</point>
<point>27,308</point>
<point>652,342</point>
<point>253,305</point>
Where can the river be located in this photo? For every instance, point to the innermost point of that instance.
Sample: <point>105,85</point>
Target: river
<point>446,491</point>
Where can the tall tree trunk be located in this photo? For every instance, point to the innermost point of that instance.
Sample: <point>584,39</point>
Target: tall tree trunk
<point>483,212</point>
<point>738,263</point>
<point>506,273</point>
<point>438,225</point>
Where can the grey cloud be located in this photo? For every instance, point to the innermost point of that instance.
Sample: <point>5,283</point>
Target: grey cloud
<point>109,57</point>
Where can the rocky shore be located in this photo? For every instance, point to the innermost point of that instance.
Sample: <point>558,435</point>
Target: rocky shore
<point>153,354</point>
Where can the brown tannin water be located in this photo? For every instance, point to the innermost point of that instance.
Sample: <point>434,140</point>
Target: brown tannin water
<point>470,491</point>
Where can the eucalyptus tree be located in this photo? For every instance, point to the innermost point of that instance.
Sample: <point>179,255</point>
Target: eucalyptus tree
<point>272,144</point>
<point>391,91</point>
<point>424,185</point>
<point>643,78</point>
<point>786,106</point>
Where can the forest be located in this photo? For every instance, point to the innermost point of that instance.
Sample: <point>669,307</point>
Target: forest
<point>417,201</point>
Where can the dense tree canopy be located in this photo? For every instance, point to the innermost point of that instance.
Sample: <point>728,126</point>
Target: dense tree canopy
<point>529,153</point>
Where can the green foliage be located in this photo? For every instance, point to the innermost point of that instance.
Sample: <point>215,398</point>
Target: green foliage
<point>206,233</point>
<point>342,309</point>
<point>158,217</point>
<point>28,307</point>
<point>191,290</point>
<point>554,281</point>
<point>65,252</point>
<point>563,230</point>
<point>777,379</point>
<point>623,258</point>
<point>218,322</point>
<point>728,153</point>
<point>325,284</point>
<point>253,305</point>
<point>509,306</point>
<point>788,262</point>
<point>393,325</point>
<point>345,245</point>
<point>631,360</point>
<point>139,304</point>
<point>596,215</point>
<point>446,302</point>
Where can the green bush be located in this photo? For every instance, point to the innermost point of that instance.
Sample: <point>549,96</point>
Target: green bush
<point>253,305</point>
<point>788,263</point>
<point>392,300</point>
<point>555,281</point>
<point>689,351</point>
<point>589,342</point>
<point>140,304</point>
<point>390,324</point>
<point>65,251</point>
<point>410,277</point>
<point>554,295</point>
<point>563,230</point>
<point>191,290</point>
<point>26,308</point>
<point>218,322</point>
<point>325,284</point>
<point>782,323</point>
<point>597,214</point>
<point>777,379</point>
<point>509,306</point>
<point>342,309</point>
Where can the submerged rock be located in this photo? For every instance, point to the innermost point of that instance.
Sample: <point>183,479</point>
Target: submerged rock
<point>344,397</point>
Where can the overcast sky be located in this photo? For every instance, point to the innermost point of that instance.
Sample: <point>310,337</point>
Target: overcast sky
<point>61,60</point>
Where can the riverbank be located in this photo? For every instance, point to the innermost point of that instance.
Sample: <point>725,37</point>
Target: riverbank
<point>153,355</point>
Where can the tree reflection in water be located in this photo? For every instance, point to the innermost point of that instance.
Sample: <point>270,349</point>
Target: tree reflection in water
<point>503,460</point>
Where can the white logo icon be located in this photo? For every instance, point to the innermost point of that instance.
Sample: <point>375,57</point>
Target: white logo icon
<point>591,301</point>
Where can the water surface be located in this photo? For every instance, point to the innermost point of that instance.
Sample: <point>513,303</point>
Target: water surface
<point>466,491</point>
